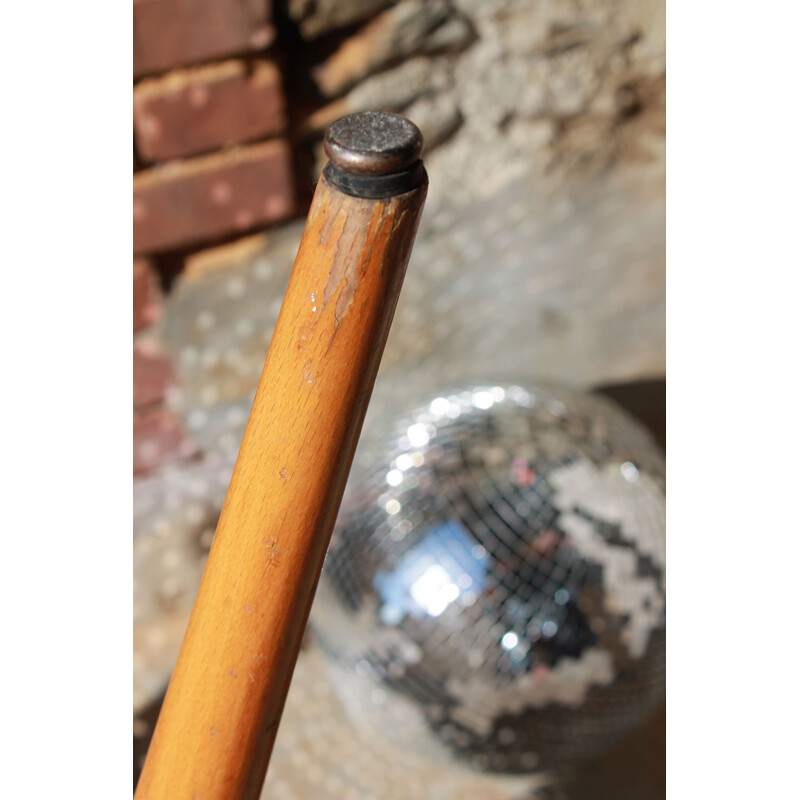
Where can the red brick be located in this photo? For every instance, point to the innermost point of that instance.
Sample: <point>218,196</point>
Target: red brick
<point>146,301</point>
<point>184,202</point>
<point>158,438</point>
<point>152,376</point>
<point>177,33</point>
<point>196,110</point>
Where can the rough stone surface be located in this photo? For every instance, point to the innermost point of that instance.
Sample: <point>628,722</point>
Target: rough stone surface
<point>176,33</point>
<point>316,17</point>
<point>394,90</point>
<point>539,90</point>
<point>551,87</point>
<point>192,111</point>
<point>437,117</point>
<point>405,29</point>
<point>399,87</point>
<point>225,193</point>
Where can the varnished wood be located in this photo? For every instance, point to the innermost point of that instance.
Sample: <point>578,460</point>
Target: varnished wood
<point>220,715</point>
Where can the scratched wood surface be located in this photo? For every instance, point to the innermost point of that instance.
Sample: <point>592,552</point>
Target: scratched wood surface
<point>220,714</point>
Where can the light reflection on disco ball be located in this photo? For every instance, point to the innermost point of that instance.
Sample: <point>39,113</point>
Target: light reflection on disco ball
<point>494,588</point>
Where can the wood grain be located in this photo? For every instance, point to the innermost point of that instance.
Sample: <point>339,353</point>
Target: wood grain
<point>220,715</point>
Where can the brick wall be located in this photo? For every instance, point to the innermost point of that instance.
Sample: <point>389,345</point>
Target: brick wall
<point>211,161</point>
<point>209,97</point>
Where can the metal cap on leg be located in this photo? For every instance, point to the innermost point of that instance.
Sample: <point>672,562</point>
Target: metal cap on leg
<point>374,154</point>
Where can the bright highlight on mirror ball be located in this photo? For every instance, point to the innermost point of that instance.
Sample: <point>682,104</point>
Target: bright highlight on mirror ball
<point>494,588</point>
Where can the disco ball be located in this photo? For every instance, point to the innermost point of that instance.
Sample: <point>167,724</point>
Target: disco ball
<point>494,588</point>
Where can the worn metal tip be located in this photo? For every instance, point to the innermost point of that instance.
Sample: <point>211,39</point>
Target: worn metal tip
<point>373,142</point>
